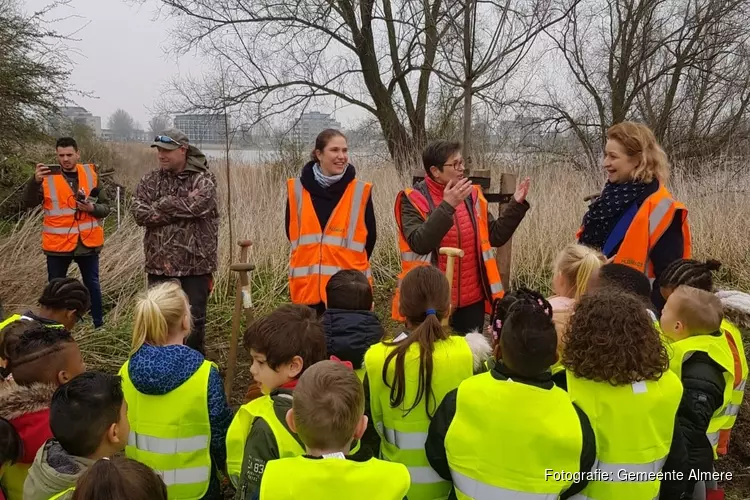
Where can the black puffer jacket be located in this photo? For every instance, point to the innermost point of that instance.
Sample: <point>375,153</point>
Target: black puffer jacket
<point>703,393</point>
<point>350,333</point>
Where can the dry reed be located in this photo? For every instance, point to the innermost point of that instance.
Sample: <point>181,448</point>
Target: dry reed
<point>718,204</point>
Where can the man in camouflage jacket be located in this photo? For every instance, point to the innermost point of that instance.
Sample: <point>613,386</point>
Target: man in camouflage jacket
<point>177,206</point>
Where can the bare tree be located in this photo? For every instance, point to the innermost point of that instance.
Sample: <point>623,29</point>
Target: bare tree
<point>635,59</point>
<point>122,125</point>
<point>34,73</point>
<point>159,123</point>
<point>484,45</point>
<point>376,55</point>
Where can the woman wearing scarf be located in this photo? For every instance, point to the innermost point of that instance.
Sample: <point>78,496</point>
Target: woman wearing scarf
<point>330,221</point>
<point>635,221</point>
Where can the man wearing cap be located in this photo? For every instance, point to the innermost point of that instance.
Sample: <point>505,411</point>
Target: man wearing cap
<point>177,205</point>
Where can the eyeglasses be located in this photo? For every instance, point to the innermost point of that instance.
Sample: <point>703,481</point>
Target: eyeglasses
<point>456,165</point>
<point>166,140</point>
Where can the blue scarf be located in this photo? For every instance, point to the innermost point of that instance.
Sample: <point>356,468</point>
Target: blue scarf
<point>323,180</point>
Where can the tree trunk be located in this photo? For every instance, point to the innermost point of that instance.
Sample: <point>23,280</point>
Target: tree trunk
<point>467,146</point>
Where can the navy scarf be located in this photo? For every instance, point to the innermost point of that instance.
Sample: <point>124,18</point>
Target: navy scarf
<point>606,210</point>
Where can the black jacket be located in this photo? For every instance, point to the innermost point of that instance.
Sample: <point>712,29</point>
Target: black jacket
<point>703,393</point>
<point>350,333</point>
<point>435,445</point>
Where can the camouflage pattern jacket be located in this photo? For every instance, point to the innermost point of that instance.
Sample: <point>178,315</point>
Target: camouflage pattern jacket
<point>180,214</point>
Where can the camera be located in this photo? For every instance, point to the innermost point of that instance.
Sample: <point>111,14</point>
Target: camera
<point>81,196</point>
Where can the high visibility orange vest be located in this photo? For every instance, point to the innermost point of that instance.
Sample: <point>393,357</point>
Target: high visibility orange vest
<point>649,224</point>
<point>63,224</point>
<point>492,282</point>
<point>317,254</point>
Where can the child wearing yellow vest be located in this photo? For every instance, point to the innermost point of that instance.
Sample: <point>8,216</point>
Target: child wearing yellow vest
<point>177,409</point>
<point>702,358</point>
<point>282,346</point>
<point>328,415</point>
<point>736,308</point>
<point>409,376</point>
<point>618,373</point>
<point>572,270</point>
<point>88,417</point>
<point>511,432</point>
<point>40,359</point>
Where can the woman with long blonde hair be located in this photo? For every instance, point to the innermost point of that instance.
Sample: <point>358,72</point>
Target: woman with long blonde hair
<point>635,220</point>
<point>177,409</point>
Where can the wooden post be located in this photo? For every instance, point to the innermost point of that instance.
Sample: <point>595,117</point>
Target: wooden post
<point>503,255</point>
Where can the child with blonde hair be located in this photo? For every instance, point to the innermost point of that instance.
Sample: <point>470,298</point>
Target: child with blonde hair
<point>572,270</point>
<point>177,409</point>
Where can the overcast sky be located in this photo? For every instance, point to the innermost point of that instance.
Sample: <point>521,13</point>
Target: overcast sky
<point>121,55</point>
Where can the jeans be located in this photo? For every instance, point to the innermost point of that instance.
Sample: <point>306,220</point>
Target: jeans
<point>57,267</point>
<point>197,289</point>
<point>468,318</point>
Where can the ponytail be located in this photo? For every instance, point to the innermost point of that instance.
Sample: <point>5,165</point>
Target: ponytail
<point>425,302</point>
<point>575,263</point>
<point>586,268</point>
<point>429,332</point>
<point>160,308</point>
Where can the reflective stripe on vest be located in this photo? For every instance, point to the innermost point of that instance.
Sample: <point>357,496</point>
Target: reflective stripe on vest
<point>319,253</point>
<point>62,493</point>
<point>540,430</point>
<point>403,434</point>
<point>647,410</point>
<point>649,224</point>
<point>171,433</point>
<point>299,477</point>
<point>717,348</point>
<point>64,226</point>
<point>467,487</point>
<point>240,427</point>
<point>411,259</point>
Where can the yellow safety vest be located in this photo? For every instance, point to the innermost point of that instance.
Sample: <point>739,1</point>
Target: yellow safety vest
<point>402,435</point>
<point>63,494</point>
<point>239,429</point>
<point>13,478</point>
<point>504,453</point>
<point>634,425</point>
<point>333,479</point>
<point>171,433</point>
<point>717,348</point>
<point>739,388</point>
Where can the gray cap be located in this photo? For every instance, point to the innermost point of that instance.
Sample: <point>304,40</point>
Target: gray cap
<point>171,139</point>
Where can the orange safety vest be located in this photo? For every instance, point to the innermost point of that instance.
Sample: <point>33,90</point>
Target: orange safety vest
<point>649,224</point>
<point>492,282</point>
<point>63,223</point>
<point>317,254</point>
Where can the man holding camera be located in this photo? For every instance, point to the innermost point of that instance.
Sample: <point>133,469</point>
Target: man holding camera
<point>74,205</point>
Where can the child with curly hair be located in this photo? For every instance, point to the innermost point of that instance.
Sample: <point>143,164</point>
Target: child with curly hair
<point>618,374</point>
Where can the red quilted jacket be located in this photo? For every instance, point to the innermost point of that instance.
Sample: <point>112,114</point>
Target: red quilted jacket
<point>467,289</point>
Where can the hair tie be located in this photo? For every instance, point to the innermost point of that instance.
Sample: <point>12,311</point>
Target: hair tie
<point>348,364</point>
<point>430,311</point>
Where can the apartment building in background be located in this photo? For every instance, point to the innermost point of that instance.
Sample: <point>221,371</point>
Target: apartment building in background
<point>201,128</point>
<point>310,124</point>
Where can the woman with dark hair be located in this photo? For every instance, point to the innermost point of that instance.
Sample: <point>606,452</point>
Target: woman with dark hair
<point>330,221</point>
<point>618,374</point>
<point>635,220</point>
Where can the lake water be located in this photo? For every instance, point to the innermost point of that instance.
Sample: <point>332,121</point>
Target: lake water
<point>250,156</point>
